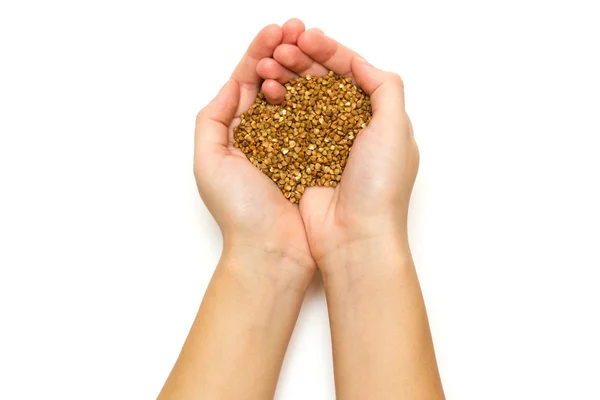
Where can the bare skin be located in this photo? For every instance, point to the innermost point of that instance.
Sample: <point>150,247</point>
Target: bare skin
<point>237,343</point>
<point>356,234</point>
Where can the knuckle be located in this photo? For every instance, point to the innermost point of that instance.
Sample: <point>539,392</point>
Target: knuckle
<point>201,116</point>
<point>396,80</point>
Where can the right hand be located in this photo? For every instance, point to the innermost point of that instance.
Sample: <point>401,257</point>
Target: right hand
<point>368,209</point>
<point>253,215</point>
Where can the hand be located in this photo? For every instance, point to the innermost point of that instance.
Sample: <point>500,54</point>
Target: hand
<point>369,208</point>
<point>357,233</point>
<point>251,211</point>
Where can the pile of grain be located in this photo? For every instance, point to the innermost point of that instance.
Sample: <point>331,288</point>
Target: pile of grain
<point>306,140</point>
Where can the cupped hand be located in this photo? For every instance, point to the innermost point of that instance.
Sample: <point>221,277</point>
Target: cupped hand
<point>248,207</point>
<point>370,205</point>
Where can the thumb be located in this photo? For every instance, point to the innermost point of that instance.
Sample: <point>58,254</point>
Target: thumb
<point>386,89</point>
<point>213,121</point>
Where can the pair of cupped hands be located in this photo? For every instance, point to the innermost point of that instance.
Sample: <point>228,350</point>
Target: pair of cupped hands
<point>370,205</point>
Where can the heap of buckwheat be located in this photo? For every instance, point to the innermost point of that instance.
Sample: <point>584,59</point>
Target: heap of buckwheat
<point>306,140</point>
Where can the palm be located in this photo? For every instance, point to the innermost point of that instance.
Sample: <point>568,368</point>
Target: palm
<point>254,201</point>
<point>247,205</point>
<point>380,160</point>
<point>328,210</point>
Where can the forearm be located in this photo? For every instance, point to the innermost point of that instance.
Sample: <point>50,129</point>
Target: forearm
<point>238,340</point>
<point>381,339</point>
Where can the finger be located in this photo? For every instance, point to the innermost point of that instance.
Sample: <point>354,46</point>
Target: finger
<point>326,51</point>
<point>213,121</point>
<point>294,59</point>
<point>292,30</point>
<point>315,199</point>
<point>273,91</point>
<point>386,90</point>
<point>245,73</point>
<point>268,68</point>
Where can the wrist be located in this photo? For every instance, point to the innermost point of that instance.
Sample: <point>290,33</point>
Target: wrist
<point>367,258</point>
<point>278,267</point>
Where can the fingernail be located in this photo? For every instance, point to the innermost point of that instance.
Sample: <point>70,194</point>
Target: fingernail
<point>362,60</point>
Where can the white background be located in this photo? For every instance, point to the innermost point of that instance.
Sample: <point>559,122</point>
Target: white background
<point>106,248</point>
